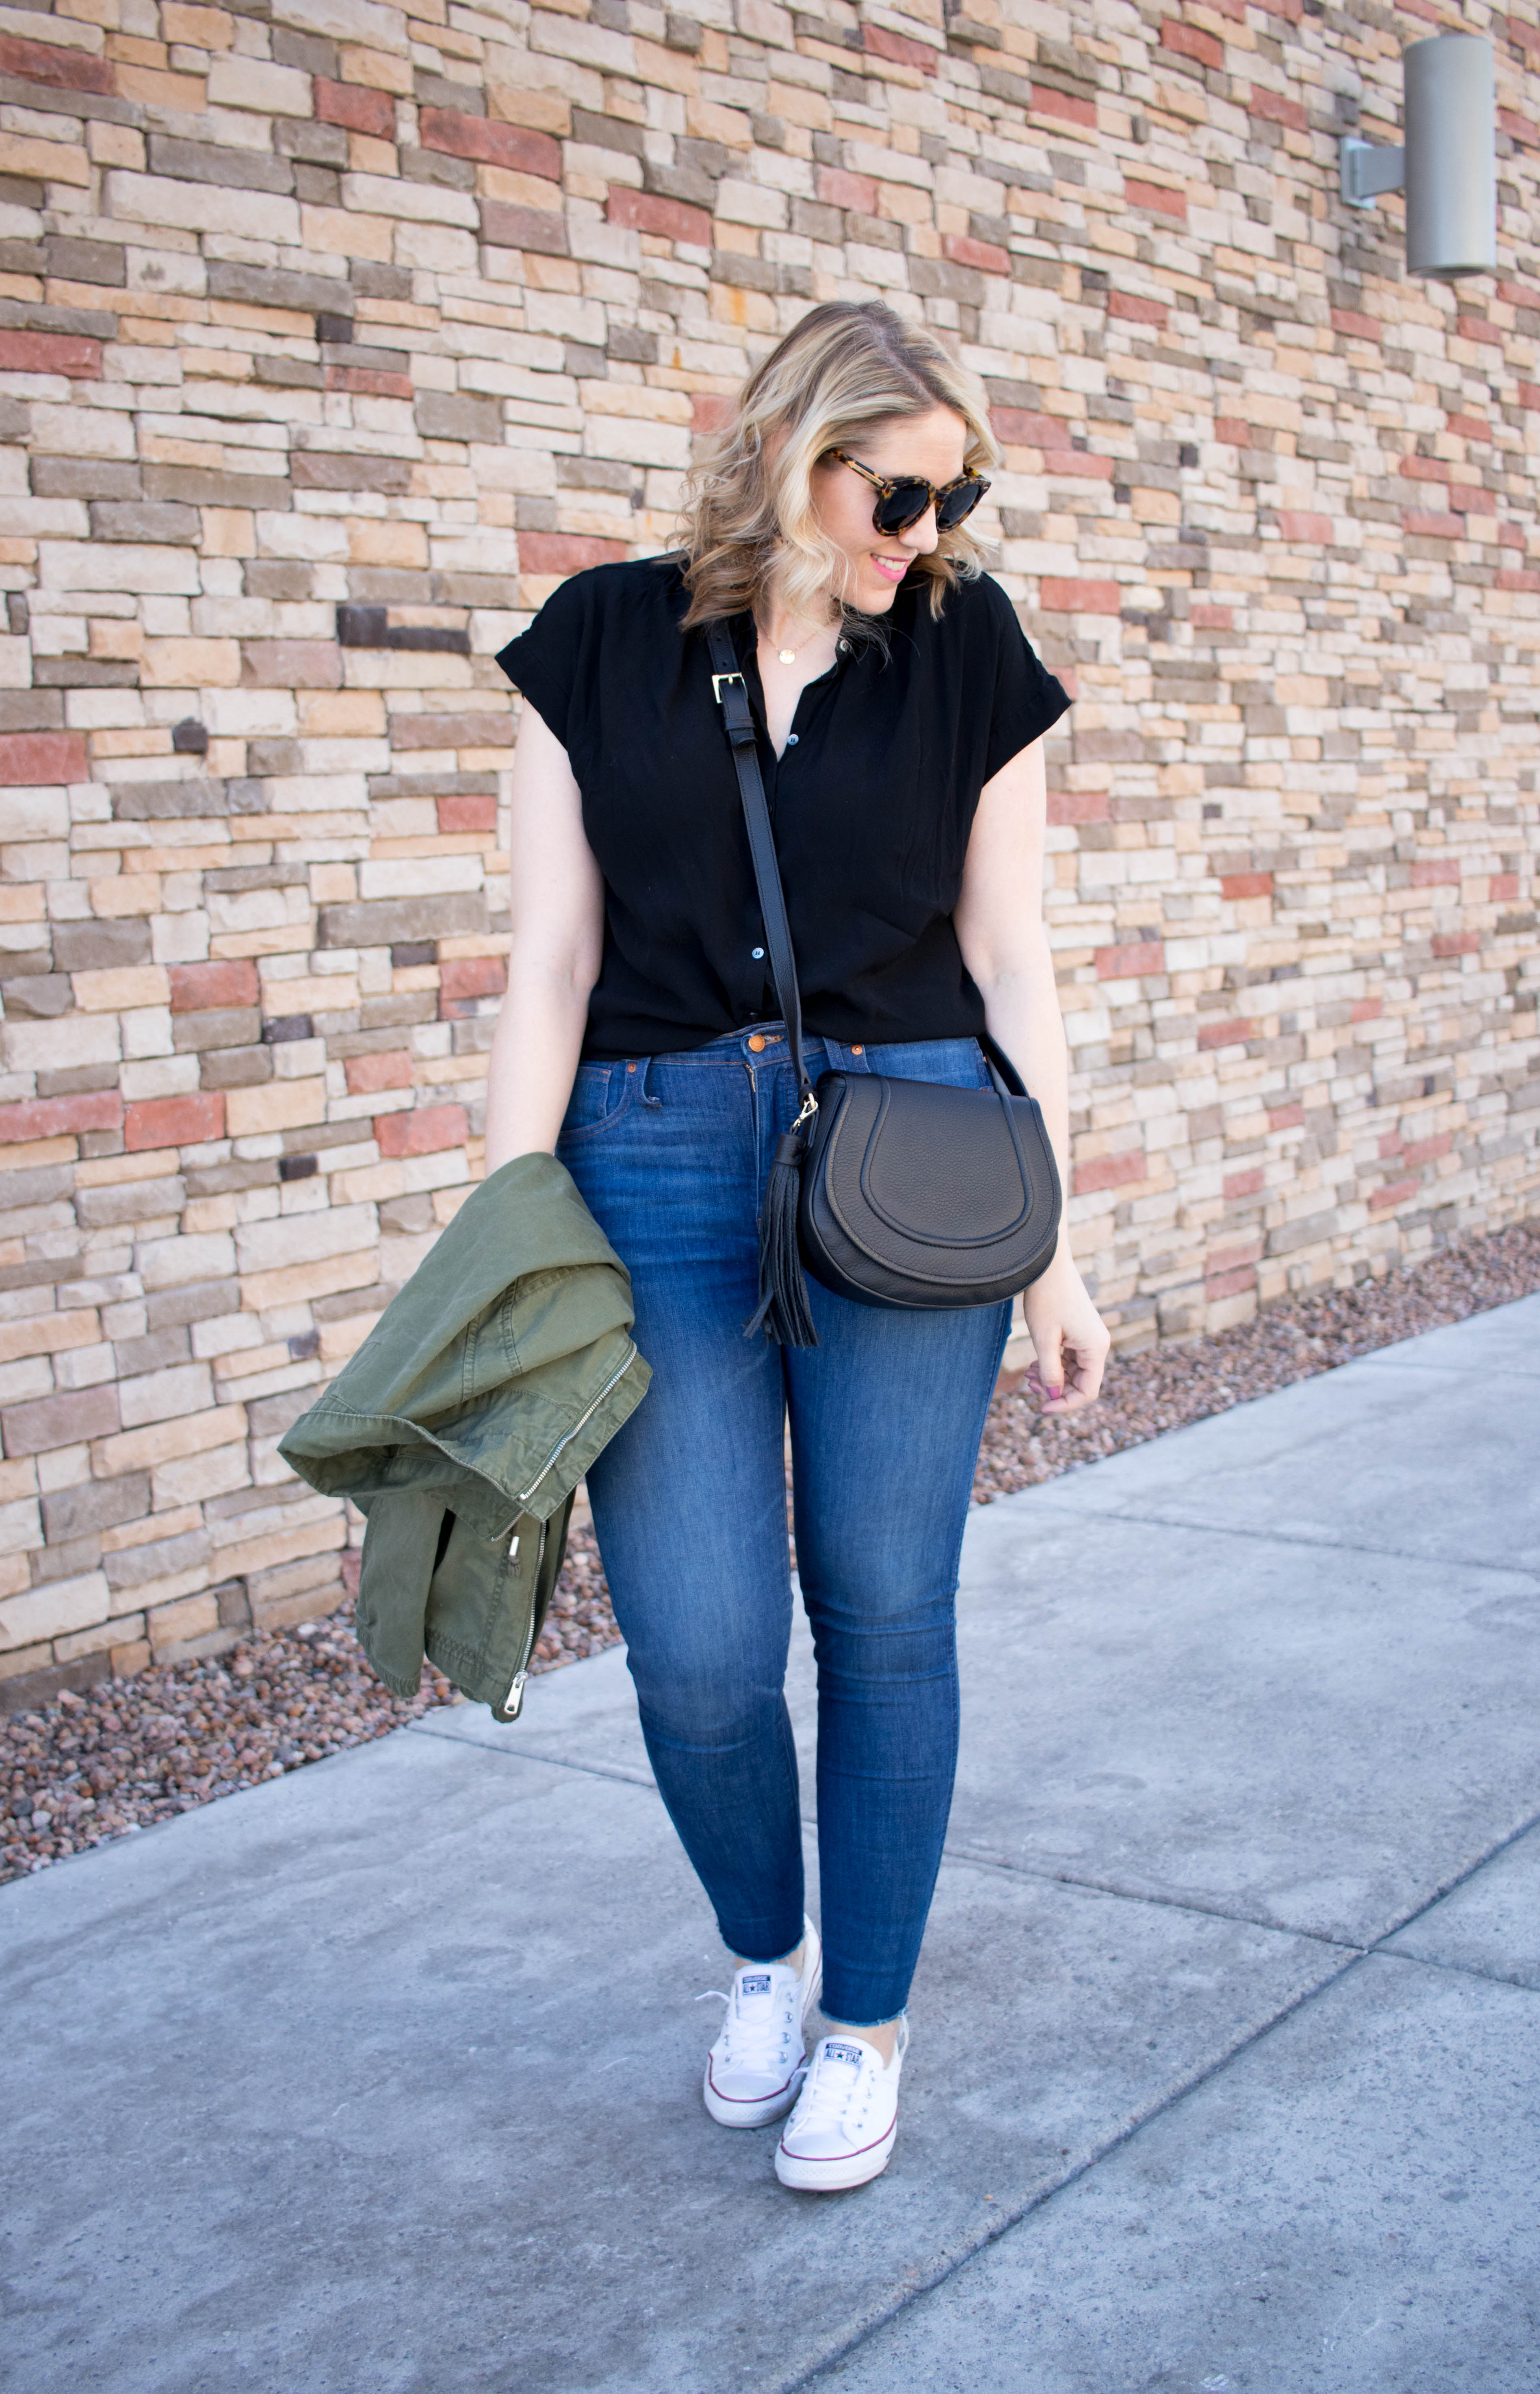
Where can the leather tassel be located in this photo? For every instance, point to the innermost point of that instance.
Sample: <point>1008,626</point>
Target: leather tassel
<point>783,1313</point>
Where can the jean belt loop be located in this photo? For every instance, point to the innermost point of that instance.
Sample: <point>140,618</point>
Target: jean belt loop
<point>647,1098</point>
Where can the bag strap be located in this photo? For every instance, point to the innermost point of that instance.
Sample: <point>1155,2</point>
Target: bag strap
<point>731,692</point>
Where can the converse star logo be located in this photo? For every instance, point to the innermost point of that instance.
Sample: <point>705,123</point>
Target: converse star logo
<point>756,1985</point>
<point>850,2053</point>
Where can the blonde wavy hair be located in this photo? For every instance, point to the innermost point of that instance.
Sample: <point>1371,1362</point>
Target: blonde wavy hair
<point>845,370</point>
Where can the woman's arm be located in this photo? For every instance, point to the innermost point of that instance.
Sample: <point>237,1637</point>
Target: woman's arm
<point>557,906</point>
<point>1005,944</point>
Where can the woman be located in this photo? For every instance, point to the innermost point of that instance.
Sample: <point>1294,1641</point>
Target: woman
<point>901,715</point>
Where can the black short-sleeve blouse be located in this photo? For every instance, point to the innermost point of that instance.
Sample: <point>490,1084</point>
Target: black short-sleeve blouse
<point>872,801</point>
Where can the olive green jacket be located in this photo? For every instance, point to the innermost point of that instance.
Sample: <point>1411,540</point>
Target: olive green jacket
<point>465,1421</point>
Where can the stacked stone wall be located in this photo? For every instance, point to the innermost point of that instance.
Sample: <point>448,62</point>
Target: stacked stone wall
<point>333,334</point>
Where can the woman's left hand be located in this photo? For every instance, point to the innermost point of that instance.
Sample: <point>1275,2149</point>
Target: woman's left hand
<point>1069,1336</point>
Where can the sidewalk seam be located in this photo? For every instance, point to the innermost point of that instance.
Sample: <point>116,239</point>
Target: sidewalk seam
<point>1216,1911</point>
<point>1275,1537</point>
<point>994,2230</point>
<point>552,1761</point>
<point>1455,1970</point>
<point>1212,1910</point>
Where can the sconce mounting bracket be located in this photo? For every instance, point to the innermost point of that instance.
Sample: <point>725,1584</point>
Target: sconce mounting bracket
<point>1369,169</point>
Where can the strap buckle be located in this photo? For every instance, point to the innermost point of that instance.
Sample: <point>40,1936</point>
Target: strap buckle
<point>717,680</point>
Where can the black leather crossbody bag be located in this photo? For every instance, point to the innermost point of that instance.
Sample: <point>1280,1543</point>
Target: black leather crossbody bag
<point>901,1193</point>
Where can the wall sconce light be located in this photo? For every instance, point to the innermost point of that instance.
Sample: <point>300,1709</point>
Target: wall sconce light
<point>1448,168</point>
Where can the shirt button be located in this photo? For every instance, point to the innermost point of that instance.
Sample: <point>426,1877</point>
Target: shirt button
<point>791,739</point>
<point>757,1043</point>
<point>759,954</point>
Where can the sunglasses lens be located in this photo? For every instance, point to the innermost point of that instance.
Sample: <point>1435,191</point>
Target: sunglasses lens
<point>958,503</point>
<point>904,505</point>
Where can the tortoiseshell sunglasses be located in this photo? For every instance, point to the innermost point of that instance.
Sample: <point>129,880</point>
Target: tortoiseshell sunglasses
<point>902,504</point>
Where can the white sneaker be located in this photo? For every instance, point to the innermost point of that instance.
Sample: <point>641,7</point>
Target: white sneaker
<point>843,2129</point>
<point>758,2063</point>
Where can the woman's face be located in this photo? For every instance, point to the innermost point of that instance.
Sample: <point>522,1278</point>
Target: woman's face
<point>932,446</point>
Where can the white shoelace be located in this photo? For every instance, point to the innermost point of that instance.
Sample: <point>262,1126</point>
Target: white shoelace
<point>760,2030</point>
<point>842,2078</point>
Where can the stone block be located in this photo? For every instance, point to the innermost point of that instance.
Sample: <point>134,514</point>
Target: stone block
<point>171,1626</point>
<point>240,214</point>
<point>451,416</point>
<point>166,1396</point>
<point>188,1263</point>
<point>390,922</point>
<point>112,946</point>
<point>233,1068</point>
<point>169,800</point>
<point>258,84</point>
<point>154,1352</point>
<point>220,986</point>
<point>58,1420</point>
<point>356,107</point>
<point>423,1130</point>
<point>171,1442</point>
<point>130,1201</point>
<point>205,486</point>
<point>202,1478</point>
<point>59,1117</point>
<point>334,469</point>
<point>28,758</point>
<point>37,997</point>
<point>217,1027</point>
<point>70,354</point>
<point>273,1106</point>
<point>295,1238</point>
<point>85,478</point>
<point>199,1300</point>
<point>387,1071</point>
<point>120,989</point>
<point>74,260</point>
<point>146,520</point>
<point>172,1122</point>
<point>54,1611</point>
<point>158,1558</point>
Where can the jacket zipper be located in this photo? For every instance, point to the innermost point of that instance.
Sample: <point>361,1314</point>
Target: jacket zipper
<point>561,1445</point>
<point>513,1702</point>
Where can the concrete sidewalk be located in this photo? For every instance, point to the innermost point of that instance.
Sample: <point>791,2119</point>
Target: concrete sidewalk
<point>1226,2068</point>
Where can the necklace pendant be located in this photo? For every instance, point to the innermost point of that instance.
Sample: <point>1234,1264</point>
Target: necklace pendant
<point>787,656</point>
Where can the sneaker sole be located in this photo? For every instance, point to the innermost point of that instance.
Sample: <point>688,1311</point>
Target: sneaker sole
<point>819,2176</point>
<point>729,2114</point>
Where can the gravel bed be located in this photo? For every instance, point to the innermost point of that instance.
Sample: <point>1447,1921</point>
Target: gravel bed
<point>129,1752</point>
<point>1163,1387</point>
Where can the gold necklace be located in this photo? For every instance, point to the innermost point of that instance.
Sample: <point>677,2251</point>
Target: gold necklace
<point>789,656</point>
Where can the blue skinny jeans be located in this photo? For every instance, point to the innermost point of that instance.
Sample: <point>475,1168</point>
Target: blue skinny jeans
<point>671,1153</point>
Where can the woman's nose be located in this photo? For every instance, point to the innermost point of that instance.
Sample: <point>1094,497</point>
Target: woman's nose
<point>922,536</point>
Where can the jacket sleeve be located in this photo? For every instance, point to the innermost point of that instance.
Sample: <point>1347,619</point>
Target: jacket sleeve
<point>400,1547</point>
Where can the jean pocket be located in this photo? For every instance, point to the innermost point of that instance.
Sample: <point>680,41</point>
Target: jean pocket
<point>952,1063</point>
<point>601,1093</point>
